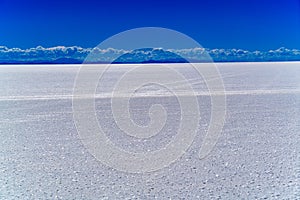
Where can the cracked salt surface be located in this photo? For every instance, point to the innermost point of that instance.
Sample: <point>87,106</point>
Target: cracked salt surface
<point>256,157</point>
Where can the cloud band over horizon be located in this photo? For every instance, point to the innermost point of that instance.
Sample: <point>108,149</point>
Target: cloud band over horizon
<point>76,54</point>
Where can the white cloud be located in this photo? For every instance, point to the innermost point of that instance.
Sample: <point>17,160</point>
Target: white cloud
<point>106,55</point>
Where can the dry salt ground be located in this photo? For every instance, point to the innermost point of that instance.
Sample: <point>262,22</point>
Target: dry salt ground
<point>256,156</point>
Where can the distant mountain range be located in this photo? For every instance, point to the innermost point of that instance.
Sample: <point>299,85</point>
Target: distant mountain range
<point>150,55</point>
<point>78,55</point>
<point>144,55</point>
<point>56,61</point>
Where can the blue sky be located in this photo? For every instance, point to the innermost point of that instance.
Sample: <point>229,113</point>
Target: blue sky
<point>247,24</point>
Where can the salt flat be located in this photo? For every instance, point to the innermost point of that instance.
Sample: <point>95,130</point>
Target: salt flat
<point>256,157</point>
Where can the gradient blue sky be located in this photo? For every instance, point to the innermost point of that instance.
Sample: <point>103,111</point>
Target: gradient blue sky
<point>246,24</point>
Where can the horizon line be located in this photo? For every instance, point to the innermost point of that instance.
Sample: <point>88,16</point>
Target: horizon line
<point>78,55</point>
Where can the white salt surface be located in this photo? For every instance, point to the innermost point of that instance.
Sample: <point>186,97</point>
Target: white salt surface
<point>256,157</point>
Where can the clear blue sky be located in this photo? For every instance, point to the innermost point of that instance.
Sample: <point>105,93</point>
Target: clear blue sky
<point>247,24</point>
